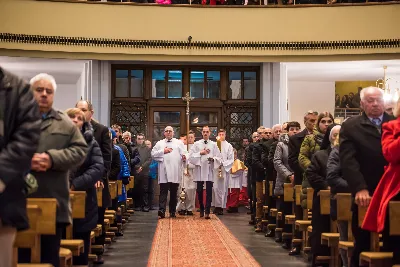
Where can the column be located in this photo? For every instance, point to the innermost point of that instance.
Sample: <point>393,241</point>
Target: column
<point>273,94</point>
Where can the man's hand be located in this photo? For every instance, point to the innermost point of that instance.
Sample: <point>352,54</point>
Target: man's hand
<point>205,152</point>
<point>99,184</point>
<point>292,178</point>
<point>41,162</point>
<point>183,157</point>
<point>140,168</point>
<point>167,150</point>
<point>363,198</point>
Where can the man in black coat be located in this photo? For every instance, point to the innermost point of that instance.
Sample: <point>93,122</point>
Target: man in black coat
<point>295,141</point>
<point>103,138</point>
<point>251,183</point>
<point>258,171</point>
<point>362,160</point>
<point>19,138</point>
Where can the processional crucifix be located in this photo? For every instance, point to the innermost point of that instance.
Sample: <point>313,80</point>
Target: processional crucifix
<point>187,99</point>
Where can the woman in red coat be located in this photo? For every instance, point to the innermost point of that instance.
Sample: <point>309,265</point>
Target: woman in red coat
<point>377,217</point>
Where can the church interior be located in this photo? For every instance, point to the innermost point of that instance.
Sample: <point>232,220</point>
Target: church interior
<point>193,95</point>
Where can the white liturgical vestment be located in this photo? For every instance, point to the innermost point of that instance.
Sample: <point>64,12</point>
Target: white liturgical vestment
<point>221,184</point>
<point>188,184</point>
<point>203,169</point>
<point>170,164</point>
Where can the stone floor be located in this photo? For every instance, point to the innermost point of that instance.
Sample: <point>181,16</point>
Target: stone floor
<point>133,249</point>
<point>263,249</point>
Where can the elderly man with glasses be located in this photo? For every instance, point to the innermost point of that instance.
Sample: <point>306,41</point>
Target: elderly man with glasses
<point>170,153</point>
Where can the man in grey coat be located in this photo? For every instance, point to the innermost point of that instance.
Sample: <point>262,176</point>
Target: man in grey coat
<point>61,147</point>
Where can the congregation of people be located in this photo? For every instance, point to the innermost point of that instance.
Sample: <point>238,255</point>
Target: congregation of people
<point>71,151</point>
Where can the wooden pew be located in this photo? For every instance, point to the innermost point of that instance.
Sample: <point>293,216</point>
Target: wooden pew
<point>330,239</point>
<point>303,225</point>
<point>297,202</point>
<point>288,192</point>
<point>344,213</point>
<point>78,201</point>
<point>384,259</point>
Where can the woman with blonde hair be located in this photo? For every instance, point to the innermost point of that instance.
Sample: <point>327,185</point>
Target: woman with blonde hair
<point>84,178</point>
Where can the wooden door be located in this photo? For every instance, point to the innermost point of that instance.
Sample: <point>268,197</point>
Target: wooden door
<point>161,117</point>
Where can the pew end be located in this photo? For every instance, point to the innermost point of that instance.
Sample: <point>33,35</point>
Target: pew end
<point>288,192</point>
<point>325,202</point>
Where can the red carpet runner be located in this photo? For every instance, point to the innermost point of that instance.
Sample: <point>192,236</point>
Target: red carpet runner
<point>191,241</point>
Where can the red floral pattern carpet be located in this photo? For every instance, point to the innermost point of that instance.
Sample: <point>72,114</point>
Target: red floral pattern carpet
<point>194,241</point>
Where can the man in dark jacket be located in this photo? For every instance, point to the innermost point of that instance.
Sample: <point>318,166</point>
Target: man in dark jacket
<point>310,119</point>
<point>251,183</point>
<point>143,182</point>
<point>268,158</point>
<point>133,151</point>
<point>19,139</point>
<point>103,138</point>
<point>61,147</point>
<point>258,171</point>
<point>362,160</point>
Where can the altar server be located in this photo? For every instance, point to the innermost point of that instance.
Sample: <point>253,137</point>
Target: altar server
<point>169,152</point>
<point>186,207</point>
<point>205,155</point>
<point>238,175</point>
<point>222,176</point>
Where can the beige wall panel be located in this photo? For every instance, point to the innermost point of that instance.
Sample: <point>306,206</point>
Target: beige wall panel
<point>204,24</point>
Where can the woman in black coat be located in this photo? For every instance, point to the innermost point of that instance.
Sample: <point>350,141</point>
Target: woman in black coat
<point>84,179</point>
<point>316,174</point>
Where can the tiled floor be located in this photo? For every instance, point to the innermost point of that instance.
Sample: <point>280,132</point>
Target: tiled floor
<point>264,250</point>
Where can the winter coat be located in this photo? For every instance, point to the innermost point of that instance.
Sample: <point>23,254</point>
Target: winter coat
<point>67,148</point>
<point>249,162</point>
<point>335,180</point>
<point>271,172</point>
<point>144,155</point>
<point>124,173</point>
<point>257,160</point>
<point>115,165</point>
<point>310,145</point>
<point>153,169</point>
<point>103,139</point>
<point>316,175</point>
<point>19,139</point>
<point>389,185</point>
<point>295,142</point>
<point>281,164</point>
<point>334,175</point>
<point>134,157</point>
<point>85,178</point>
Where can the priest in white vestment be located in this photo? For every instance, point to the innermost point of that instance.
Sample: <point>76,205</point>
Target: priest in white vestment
<point>170,153</point>
<point>222,176</point>
<point>186,207</point>
<point>203,155</point>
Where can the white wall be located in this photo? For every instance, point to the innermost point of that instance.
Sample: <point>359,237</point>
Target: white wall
<point>65,96</point>
<point>304,96</point>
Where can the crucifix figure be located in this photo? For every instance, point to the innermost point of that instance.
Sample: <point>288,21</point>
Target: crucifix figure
<point>187,99</point>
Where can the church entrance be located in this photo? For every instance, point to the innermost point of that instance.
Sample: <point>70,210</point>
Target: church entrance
<point>147,98</point>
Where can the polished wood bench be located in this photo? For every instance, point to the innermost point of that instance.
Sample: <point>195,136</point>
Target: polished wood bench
<point>34,265</point>
<point>383,259</point>
<point>42,221</point>
<point>65,257</point>
<point>78,203</point>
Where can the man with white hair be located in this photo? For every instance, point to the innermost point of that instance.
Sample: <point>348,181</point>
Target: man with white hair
<point>362,160</point>
<point>61,147</point>
<point>169,153</point>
